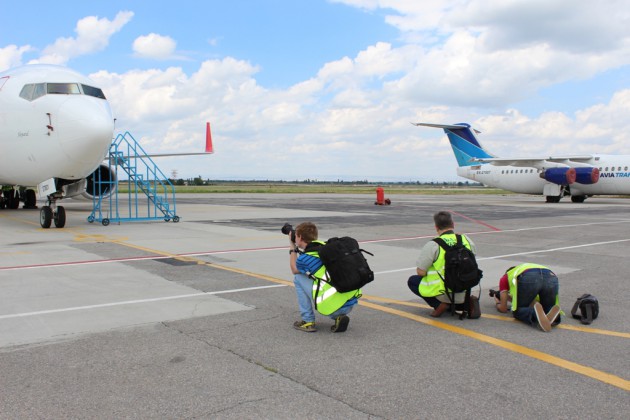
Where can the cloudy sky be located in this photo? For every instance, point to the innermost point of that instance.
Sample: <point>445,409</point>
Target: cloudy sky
<point>316,89</point>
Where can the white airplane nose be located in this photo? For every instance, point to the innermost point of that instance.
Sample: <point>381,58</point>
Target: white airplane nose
<point>85,127</point>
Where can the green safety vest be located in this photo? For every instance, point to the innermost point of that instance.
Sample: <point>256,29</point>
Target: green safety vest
<point>327,299</point>
<point>513,274</point>
<point>432,284</point>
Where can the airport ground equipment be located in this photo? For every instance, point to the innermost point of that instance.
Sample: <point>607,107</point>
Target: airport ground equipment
<point>146,194</point>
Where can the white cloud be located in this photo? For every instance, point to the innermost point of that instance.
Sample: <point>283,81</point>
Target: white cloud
<point>93,35</point>
<point>491,52</point>
<point>11,56</point>
<point>154,46</point>
<point>351,119</point>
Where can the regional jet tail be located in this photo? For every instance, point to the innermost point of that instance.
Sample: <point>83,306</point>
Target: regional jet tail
<point>554,177</point>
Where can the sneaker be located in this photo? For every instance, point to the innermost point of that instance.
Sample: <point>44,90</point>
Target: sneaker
<point>553,314</point>
<point>341,324</point>
<point>304,326</point>
<point>543,322</point>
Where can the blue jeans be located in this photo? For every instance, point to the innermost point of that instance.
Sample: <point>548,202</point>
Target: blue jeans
<point>304,291</point>
<point>534,282</point>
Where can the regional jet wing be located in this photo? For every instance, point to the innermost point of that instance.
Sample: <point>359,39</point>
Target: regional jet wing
<point>536,162</point>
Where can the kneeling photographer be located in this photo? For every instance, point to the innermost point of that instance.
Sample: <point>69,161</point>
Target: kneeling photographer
<point>306,267</point>
<point>530,291</point>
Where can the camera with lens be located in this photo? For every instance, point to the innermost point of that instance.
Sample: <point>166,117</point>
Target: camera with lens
<point>287,229</point>
<point>494,293</point>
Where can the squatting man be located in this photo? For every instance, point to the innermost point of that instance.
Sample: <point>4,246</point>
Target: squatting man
<point>308,271</point>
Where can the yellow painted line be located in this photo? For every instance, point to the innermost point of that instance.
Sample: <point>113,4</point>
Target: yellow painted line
<point>535,354</point>
<point>506,318</point>
<point>16,219</point>
<point>201,262</point>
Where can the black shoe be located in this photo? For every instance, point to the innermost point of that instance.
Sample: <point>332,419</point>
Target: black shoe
<point>341,324</point>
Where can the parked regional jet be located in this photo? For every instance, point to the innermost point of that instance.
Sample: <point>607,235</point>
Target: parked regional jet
<point>555,176</point>
<point>56,128</point>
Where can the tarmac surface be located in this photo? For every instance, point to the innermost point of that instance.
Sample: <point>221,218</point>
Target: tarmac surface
<point>193,320</point>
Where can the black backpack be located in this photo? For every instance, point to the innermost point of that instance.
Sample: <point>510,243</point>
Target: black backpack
<point>589,308</point>
<point>346,266</point>
<point>461,272</point>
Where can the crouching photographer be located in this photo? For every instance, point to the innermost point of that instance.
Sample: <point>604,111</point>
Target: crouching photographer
<point>530,291</point>
<point>307,268</point>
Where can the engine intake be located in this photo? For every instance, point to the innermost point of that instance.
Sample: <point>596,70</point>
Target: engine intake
<point>560,176</point>
<point>100,183</point>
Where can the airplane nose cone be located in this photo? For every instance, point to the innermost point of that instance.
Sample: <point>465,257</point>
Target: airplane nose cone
<point>85,127</point>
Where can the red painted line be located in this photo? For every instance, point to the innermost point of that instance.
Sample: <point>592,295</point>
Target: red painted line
<point>476,221</point>
<point>194,254</point>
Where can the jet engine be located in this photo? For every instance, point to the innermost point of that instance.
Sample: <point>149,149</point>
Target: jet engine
<point>100,183</point>
<point>560,176</point>
<point>586,176</point>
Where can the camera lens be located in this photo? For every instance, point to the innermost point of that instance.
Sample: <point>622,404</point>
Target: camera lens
<point>286,229</point>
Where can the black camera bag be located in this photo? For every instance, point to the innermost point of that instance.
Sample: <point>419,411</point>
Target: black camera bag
<point>346,266</point>
<point>588,306</point>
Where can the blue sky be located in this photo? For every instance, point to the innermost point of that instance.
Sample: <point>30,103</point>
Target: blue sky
<point>317,89</point>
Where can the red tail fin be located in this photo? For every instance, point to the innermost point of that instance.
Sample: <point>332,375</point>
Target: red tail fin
<point>209,148</point>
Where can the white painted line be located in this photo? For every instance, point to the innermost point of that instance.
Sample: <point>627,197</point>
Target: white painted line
<point>131,302</point>
<point>538,251</point>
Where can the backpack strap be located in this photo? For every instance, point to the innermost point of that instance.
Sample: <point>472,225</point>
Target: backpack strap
<point>442,244</point>
<point>588,308</point>
<point>316,291</point>
<point>585,318</point>
<point>575,307</point>
<point>367,252</point>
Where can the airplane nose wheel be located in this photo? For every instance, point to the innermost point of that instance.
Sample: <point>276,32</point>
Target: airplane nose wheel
<point>47,216</point>
<point>60,217</point>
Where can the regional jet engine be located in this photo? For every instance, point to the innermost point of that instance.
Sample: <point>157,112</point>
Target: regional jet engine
<point>560,176</point>
<point>586,175</point>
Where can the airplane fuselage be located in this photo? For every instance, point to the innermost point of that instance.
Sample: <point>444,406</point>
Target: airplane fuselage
<point>53,124</point>
<point>614,177</point>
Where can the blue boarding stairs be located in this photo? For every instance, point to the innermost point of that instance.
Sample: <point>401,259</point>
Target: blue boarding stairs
<point>149,195</point>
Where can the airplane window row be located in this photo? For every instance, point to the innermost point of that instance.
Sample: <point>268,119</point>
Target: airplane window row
<point>625,168</point>
<point>525,171</point>
<point>516,171</point>
<point>32,91</point>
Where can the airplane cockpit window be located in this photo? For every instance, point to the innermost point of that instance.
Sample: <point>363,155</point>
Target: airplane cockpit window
<point>63,88</point>
<point>32,91</point>
<point>93,91</point>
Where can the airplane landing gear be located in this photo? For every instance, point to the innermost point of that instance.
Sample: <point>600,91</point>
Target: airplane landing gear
<point>10,199</point>
<point>30,200</point>
<point>52,212</point>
